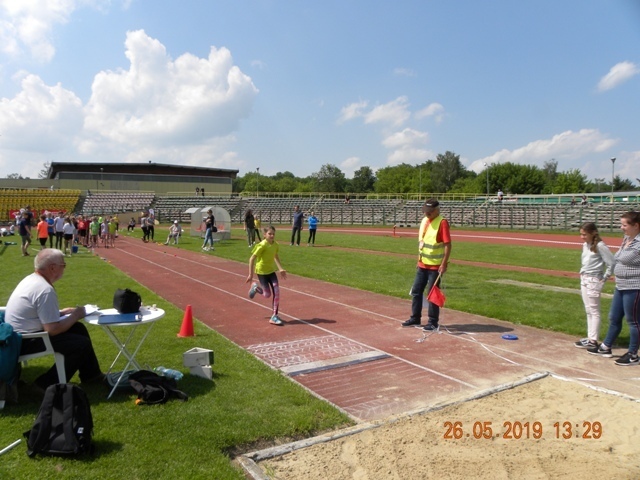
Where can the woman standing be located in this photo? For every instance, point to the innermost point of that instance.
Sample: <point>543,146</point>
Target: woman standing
<point>626,296</point>
<point>209,224</point>
<point>250,227</point>
<point>593,275</point>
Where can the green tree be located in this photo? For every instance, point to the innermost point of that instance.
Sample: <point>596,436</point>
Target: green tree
<point>329,179</point>
<point>620,185</point>
<point>445,171</point>
<point>516,179</point>
<point>470,184</point>
<point>44,173</point>
<point>403,178</point>
<point>364,180</point>
<point>571,181</point>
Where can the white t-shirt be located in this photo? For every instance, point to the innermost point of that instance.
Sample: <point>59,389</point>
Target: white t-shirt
<point>68,228</point>
<point>33,303</point>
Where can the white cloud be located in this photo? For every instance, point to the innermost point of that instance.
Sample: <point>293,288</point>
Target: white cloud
<point>567,145</point>
<point>619,73</point>
<point>627,166</point>
<point>39,118</point>
<point>160,102</point>
<point>405,138</point>
<point>406,147</point>
<point>27,24</point>
<point>350,165</point>
<point>435,110</point>
<point>409,155</point>
<point>184,111</point>
<point>395,112</point>
<point>351,111</point>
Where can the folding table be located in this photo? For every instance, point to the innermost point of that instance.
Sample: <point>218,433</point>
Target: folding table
<point>114,321</point>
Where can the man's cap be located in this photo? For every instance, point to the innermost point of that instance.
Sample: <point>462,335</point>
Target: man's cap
<point>432,203</point>
<point>175,221</point>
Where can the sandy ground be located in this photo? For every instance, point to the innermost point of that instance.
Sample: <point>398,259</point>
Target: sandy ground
<point>603,440</point>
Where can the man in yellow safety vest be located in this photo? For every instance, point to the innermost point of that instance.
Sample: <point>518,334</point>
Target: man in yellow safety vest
<point>435,248</point>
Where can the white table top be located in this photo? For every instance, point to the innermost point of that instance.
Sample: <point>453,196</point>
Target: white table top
<point>148,315</point>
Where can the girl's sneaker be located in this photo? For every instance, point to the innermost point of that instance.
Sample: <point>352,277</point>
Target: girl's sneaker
<point>627,359</point>
<point>275,320</point>
<point>585,343</point>
<point>601,351</point>
<point>254,289</point>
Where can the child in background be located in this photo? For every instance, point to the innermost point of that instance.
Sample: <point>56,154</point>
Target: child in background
<point>68,231</point>
<point>43,231</point>
<point>257,224</point>
<point>104,233</point>
<point>313,226</point>
<point>266,262</point>
<point>94,230</point>
<point>113,232</point>
<point>593,274</point>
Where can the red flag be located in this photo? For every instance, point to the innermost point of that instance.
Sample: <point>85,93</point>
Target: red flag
<point>436,296</point>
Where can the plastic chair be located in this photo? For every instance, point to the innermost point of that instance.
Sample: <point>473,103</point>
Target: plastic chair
<point>59,357</point>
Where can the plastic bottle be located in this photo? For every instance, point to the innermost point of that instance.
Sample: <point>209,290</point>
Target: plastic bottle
<point>169,372</point>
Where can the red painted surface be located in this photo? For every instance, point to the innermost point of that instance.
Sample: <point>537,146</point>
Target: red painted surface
<point>326,321</point>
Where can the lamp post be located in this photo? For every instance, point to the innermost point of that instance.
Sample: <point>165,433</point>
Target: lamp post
<point>613,166</point>
<point>257,181</point>
<point>487,167</point>
<point>420,197</point>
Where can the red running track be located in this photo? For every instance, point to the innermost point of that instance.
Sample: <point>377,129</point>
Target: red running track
<point>347,345</point>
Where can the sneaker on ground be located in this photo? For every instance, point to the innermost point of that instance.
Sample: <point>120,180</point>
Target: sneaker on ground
<point>430,327</point>
<point>411,323</point>
<point>275,320</point>
<point>627,359</point>
<point>585,343</point>
<point>601,351</point>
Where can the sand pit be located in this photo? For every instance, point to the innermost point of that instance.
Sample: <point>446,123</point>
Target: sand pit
<point>527,429</point>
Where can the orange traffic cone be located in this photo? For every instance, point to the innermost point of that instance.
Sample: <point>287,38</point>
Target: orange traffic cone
<point>187,324</point>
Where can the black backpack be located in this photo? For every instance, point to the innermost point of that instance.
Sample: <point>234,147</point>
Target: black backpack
<point>64,424</point>
<point>153,388</point>
<point>126,301</point>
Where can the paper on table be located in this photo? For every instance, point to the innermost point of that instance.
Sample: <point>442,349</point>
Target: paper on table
<point>89,309</point>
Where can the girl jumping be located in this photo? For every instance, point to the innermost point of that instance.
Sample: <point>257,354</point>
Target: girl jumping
<point>265,261</point>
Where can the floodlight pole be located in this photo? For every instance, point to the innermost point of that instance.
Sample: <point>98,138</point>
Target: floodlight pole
<point>613,166</point>
<point>257,181</point>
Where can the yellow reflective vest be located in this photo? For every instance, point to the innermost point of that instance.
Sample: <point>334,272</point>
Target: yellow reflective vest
<point>432,253</point>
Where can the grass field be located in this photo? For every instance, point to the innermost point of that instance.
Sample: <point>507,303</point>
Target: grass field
<point>248,404</point>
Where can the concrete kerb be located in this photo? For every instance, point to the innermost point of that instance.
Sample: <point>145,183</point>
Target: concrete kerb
<point>249,461</point>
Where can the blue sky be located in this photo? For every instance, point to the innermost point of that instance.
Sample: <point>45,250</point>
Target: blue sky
<point>284,85</point>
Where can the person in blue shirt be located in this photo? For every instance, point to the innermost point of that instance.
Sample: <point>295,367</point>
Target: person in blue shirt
<point>313,226</point>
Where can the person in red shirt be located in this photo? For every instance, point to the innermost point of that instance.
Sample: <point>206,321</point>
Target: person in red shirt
<point>434,245</point>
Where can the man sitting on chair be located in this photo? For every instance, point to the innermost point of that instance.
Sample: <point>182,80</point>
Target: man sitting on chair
<point>174,233</point>
<point>33,307</point>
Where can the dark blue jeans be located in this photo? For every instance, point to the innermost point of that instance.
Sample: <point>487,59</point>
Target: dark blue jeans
<point>424,282</point>
<point>75,344</point>
<point>625,304</point>
<point>295,235</point>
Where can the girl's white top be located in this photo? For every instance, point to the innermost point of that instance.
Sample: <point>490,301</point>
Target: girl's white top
<point>593,263</point>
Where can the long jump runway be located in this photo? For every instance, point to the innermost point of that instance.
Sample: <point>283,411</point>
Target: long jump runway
<point>347,345</point>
